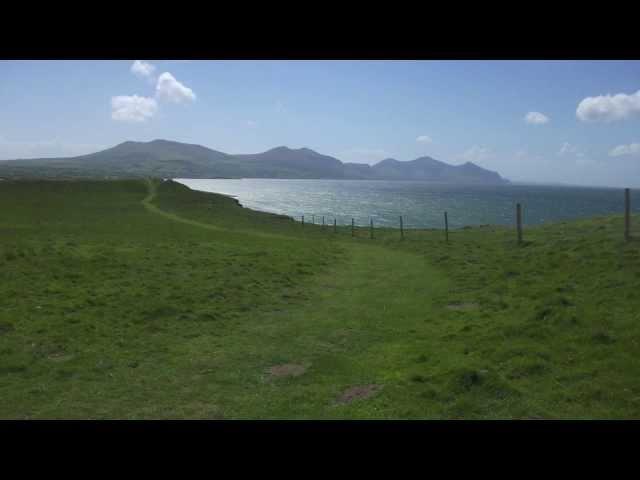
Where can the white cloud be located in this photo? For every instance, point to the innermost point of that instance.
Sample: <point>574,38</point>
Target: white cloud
<point>608,108</point>
<point>142,69</point>
<point>424,139</point>
<point>477,154</point>
<point>632,149</point>
<point>576,154</point>
<point>168,88</point>
<point>568,149</point>
<point>132,108</point>
<point>536,118</point>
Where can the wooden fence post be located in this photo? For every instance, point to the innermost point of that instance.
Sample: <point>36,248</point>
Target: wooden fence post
<point>323,222</point>
<point>352,231</point>
<point>371,230</point>
<point>313,219</point>
<point>519,222</point>
<point>627,214</point>
<point>335,226</point>
<point>401,228</point>
<point>303,220</point>
<point>446,227</point>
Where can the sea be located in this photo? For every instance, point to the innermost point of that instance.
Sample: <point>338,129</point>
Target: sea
<point>421,204</point>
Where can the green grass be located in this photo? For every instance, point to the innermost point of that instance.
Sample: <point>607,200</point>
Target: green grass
<point>130,299</point>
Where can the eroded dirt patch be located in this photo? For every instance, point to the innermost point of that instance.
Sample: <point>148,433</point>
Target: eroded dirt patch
<point>287,370</point>
<point>59,356</point>
<point>462,306</point>
<point>359,392</point>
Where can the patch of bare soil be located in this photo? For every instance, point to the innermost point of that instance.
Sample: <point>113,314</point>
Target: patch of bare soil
<point>462,306</point>
<point>287,370</point>
<point>59,356</point>
<point>359,392</point>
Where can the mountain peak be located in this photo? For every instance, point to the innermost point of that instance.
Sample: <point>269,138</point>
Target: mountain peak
<point>128,142</point>
<point>162,141</point>
<point>157,141</point>
<point>470,164</point>
<point>428,160</point>
<point>289,151</point>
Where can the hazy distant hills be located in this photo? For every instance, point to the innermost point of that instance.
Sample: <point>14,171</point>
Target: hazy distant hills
<point>163,158</point>
<point>283,162</point>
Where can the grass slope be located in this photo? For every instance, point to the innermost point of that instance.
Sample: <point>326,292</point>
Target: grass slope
<point>130,299</point>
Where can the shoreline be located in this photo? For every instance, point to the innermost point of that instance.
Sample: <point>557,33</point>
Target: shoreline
<point>406,227</point>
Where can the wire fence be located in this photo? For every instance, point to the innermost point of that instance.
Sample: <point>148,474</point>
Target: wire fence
<point>631,222</point>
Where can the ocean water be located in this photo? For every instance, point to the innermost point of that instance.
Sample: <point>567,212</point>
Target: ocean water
<point>421,204</point>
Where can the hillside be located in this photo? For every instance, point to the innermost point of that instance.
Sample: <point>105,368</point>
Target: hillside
<point>284,162</point>
<point>146,300</point>
<point>427,168</point>
<point>166,159</point>
<point>158,158</point>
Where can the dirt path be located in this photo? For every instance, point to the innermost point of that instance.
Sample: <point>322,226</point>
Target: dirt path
<point>147,202</point>
<point>151,195</point>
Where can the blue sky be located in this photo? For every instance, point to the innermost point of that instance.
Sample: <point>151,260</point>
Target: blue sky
<point>584,116</point>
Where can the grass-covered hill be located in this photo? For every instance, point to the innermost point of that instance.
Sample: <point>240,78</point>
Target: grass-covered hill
<point>158,158</point>
<point>136,299</point>
<point>166,159</point>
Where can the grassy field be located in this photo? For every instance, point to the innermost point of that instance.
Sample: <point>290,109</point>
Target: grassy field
<point>134,299</point>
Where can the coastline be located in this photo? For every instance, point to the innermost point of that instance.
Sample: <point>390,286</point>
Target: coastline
<point>385,222</point>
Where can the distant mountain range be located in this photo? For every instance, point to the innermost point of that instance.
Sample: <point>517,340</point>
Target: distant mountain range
<point>167,159</point>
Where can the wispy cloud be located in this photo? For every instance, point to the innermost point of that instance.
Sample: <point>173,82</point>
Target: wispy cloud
<point>568,149</point>
<point>251,123</point>
<point>575,154</point>
<point>633,149</point>
<point>424,139</point>
<point>170,89</point>
<point>609,108</point>
<point>132,108</point>
<point>536,118</point>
